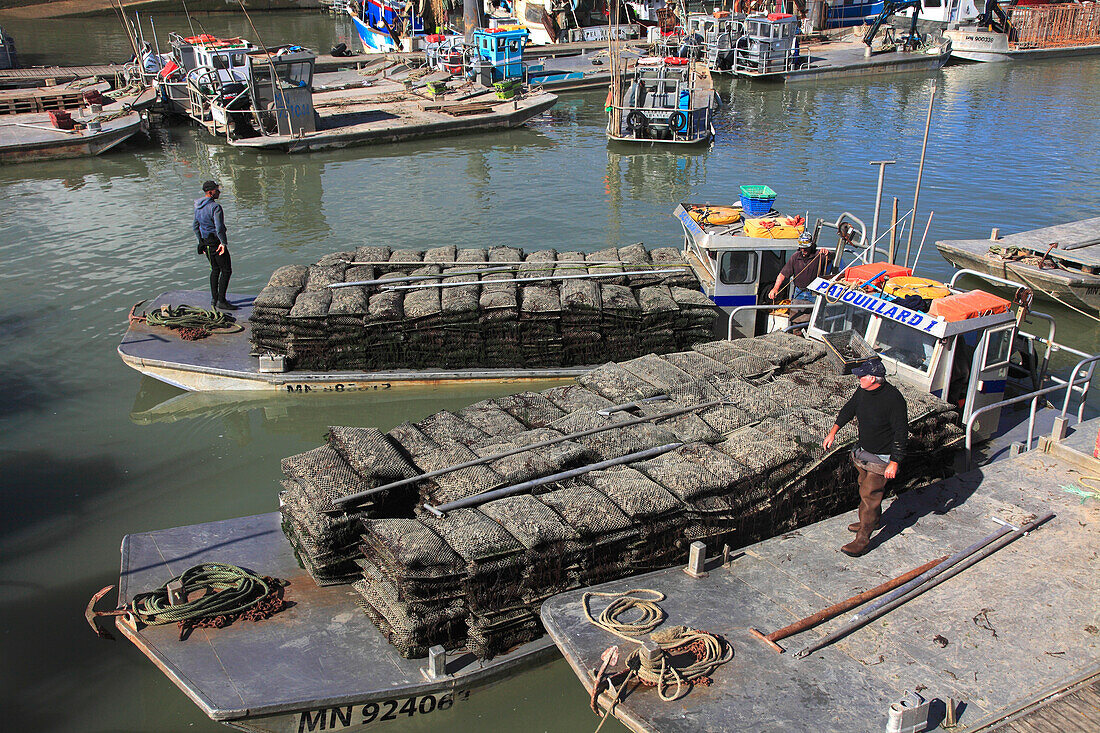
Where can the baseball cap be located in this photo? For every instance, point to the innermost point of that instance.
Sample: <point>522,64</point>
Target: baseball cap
<point>210,186</point>
<point>806,240</point>
<point>873,368</point>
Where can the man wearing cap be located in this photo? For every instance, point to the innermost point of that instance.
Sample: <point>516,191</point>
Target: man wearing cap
<point>882,416</point>
<point>806,264</point>
<point>210,229</point>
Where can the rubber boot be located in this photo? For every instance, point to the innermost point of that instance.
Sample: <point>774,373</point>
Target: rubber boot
<point>858,546</point>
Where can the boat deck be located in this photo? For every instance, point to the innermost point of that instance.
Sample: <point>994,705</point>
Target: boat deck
<point>848,58</point>
<point>224,362</point>
<point>31,136</point>
<point>1076,280</point>
<point>307,663</point>
<point>1013,630</point>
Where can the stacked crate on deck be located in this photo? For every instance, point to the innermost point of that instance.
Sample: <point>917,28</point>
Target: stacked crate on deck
<point>747,467</point>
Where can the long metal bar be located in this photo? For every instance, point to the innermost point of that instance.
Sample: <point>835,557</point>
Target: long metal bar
<point>418,278</point>
<point>923,238</point>
<point>537,279</point>
<point>878,194</point>
<point>485,496</point>
<point>352,499</point>
<point>631,405</point>
<point>920,170</point>
<point>838,608</point>
<point>939,575</point>
<point>422,263</point>
<point>738,309</point>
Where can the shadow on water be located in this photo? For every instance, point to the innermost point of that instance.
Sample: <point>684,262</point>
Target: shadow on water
<point>45,486</point>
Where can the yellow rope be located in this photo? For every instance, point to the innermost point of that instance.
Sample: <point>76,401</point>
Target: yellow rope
<point>651,617</point>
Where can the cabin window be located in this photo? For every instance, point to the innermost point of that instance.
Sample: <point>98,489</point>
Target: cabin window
<point>997,349</point>
<point>736,268</point>
<point>296,75</point>
<point>236,59</point>
<point>906,345</point>
<point>842,317</point>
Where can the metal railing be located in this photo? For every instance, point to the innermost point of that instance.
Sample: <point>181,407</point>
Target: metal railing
<point>738,309</point>
<point>1069,386</point>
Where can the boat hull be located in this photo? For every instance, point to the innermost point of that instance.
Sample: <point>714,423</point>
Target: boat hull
<point>221,362</point>
<point>971,44</point>
<point>320,664</point>
<point>81,146</point>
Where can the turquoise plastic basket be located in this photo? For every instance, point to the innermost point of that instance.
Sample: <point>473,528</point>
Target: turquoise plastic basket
<point>757,200</point>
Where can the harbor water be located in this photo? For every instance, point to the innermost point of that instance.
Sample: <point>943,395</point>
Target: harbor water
<point>90,451</point>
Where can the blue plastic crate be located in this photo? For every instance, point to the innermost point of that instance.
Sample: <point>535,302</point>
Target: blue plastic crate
<point>757,200</point>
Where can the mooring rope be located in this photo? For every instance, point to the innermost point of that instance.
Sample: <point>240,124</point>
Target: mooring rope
<point>710,650</point>
<point>228,593</point>
<point>192,323</point>
<point>651,614</point>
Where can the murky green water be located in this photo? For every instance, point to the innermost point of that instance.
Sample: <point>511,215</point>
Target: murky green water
<point>89,451</point>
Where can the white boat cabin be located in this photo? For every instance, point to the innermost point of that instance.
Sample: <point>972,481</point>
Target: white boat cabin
<point>961,358</point>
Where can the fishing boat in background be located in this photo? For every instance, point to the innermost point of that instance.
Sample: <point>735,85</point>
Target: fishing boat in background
<point>271,99</point>
<point>388,25</point>
<point>1028,31</point>
<point>564,21</point>
<point>8,58</point>
<point>1060,263</point>
<point>81,118</point>
<point>663,100</point>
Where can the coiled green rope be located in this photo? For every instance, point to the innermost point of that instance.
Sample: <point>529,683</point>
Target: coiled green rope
<point>192,323</point>
<point>228,591</point>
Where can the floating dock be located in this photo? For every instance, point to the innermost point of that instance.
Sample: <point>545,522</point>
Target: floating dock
<point>1015,630</point>
<point>839,59</point>
<point>224,361</point>
<point>27,132</point>
<point>295,671</point>
<point>1060,262</point>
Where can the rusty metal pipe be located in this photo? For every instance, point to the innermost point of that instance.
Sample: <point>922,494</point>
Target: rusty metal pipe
<point>837,608</point>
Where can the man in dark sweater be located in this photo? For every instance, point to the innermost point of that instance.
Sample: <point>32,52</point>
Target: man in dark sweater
<point>807,264</point>
<point>882,416</point>
<point>209,227</point>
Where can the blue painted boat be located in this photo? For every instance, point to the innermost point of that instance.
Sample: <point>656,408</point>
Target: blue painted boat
<point>384,26</point>
<point>841,13</point>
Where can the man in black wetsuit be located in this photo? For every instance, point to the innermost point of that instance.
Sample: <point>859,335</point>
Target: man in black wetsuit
<point>209,227</point>
<point>883,421</point>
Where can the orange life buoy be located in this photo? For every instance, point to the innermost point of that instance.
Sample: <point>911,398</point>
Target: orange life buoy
<point>675,60</point>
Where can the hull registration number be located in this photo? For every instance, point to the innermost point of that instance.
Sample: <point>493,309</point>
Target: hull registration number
<point>356,716</point>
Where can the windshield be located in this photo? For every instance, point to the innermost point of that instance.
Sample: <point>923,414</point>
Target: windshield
<point>907,345</point>
<point>842,317</point>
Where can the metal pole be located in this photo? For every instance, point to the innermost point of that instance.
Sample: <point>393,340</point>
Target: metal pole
<point>945,570</point>
<point>154,29</point>
<point>533,279</point>
<point>920,170</point>
<point>878,194</point>
<point>352,499</point>
<point>469,19</point>
<point>892,256</point>
<point>485,496</point>
<point>922,239</point>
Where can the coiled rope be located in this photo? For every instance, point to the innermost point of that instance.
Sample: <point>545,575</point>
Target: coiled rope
<point>228,593</point>
<point>192,323</point>
<point>651,617</point>
<point>710,650</point>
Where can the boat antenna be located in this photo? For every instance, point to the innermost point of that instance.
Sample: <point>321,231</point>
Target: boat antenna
<point>188,15</point>
<point>920,171</point>
<point>271,64</point>
<point>121,13</point>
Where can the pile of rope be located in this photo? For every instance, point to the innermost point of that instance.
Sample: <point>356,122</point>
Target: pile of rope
<point>709,650</point>
<point>1024,256</point>
<point>228,593</point>
<point>192,323</point>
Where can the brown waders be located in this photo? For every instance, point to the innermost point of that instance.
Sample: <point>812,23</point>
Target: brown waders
<point>872,487</point>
